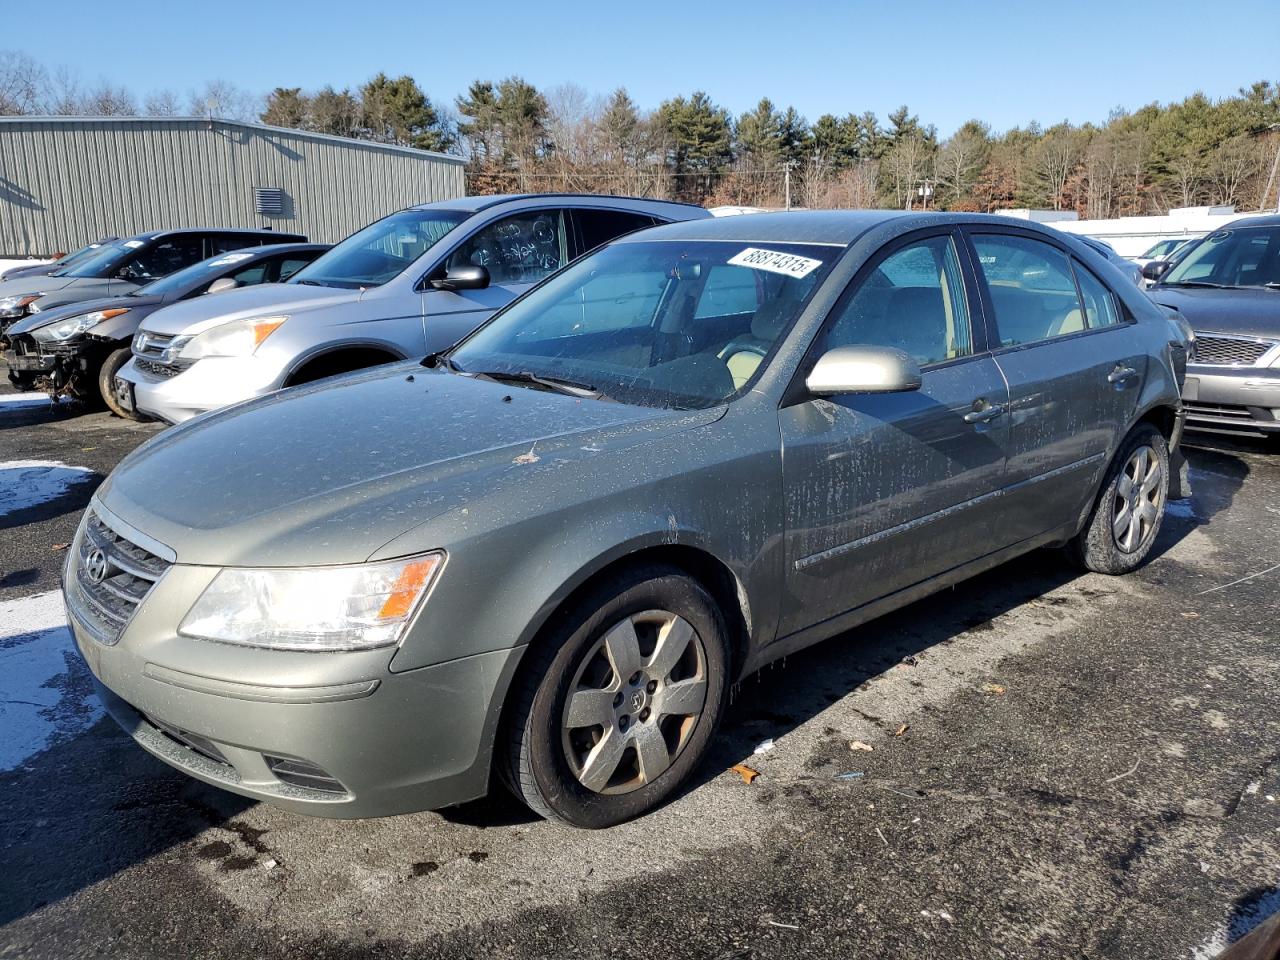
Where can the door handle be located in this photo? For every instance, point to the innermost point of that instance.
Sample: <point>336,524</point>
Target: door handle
<point>983,412</point>
<point>1121,375</point>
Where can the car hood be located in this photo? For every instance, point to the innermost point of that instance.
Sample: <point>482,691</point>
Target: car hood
<point>191,316</point>
<point>35,321</point>
<point>1243,312</point>
<point>25,285</point>
<point>329,473</point>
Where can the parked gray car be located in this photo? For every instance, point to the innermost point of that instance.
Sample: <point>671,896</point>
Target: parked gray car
<point>410,284</point>
<point>121,266</point>
<point>48,268</point>
<point>1227,287</point>
<point>551,550</point>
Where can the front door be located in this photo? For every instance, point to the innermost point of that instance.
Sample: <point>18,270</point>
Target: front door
<point>886,490</point>
<point>1074,365</point>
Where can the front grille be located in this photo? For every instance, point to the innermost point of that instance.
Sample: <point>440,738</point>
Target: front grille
<point>111,577</point>
<point>1218,410</point>
<point>148,344</point>
<point>1230,351</point>
<point>153,369</point>
<point>302,773</point>
<point>192,741</point>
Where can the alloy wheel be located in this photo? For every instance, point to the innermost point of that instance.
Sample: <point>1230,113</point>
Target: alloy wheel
<point>635,700</point>
<point>1138,497</point>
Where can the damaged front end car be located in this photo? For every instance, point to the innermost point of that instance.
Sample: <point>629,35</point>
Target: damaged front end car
<point>68,352</point>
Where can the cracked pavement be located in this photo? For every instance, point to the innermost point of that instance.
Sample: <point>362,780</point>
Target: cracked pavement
<point>1088,768</point>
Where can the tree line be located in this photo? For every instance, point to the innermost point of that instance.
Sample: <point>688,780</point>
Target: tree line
<point>516,137</point>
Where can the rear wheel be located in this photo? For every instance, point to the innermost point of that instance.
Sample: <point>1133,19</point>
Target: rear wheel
<point>620,703</point>
<point>106,382</point>
<point>1130,509</point>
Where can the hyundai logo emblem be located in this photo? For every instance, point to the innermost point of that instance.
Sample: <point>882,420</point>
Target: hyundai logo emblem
<point>637,700</point>
<point>95,566</point>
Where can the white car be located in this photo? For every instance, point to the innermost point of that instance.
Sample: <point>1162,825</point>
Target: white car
<point>1162,250</point>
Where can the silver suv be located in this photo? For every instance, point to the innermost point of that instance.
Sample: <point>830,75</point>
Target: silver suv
<point>410,284</point>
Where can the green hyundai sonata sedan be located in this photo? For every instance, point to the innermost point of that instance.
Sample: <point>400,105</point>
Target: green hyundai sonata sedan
<point>550,550</point>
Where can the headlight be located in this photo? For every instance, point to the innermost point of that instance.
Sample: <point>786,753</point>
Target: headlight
<point>318,608</point>
<point>17,306</point>
<point>236,339</point>
<point>72,326</point>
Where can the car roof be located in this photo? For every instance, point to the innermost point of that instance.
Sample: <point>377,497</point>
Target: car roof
<point>478,203</point>
<point>267,249</point>
<point>247,231</point>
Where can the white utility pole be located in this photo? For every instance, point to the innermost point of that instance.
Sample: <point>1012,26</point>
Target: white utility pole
<point>786,179</point>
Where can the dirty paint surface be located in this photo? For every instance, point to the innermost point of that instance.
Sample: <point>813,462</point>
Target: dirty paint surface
<point>1118,798</point>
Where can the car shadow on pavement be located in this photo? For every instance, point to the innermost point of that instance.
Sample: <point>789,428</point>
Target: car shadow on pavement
<point>91,807</point>
<point>19,506</point>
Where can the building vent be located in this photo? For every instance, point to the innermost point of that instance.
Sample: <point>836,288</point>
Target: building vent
<point>269,200</point>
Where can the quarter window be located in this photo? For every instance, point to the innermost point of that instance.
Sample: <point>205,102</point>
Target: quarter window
<point>1100,308</point>
<point>522,248</point>
<point>913,301</point>
<point>1032,288</point>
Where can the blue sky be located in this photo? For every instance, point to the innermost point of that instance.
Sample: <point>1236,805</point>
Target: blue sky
<point>1007,63</point>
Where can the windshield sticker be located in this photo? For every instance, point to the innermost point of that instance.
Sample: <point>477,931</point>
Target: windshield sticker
<point>230,259</point>
<point>133,244</point>
<point>788,264</point>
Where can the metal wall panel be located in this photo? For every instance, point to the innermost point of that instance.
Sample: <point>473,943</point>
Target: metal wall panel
<point>65,182</point>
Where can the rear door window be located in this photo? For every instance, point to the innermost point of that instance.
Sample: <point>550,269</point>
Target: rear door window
<point>596,227</point>
<point>1032,288</point>
<point>1100,307</point>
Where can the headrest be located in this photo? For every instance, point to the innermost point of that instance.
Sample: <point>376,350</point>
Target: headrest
<point>769,319</point>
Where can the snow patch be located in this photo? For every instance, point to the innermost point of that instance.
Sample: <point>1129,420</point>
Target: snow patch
<point>46,692</point>
<point>10,401</point>
<point>1183,509</point>
<point>28,483</point>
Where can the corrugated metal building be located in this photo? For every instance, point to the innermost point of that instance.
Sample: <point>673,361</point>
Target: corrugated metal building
<point>66,181</point>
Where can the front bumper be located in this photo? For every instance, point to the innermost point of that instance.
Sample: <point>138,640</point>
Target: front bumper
<point>325,734</point>
<point>206,385</point>
<point>1234,400</point>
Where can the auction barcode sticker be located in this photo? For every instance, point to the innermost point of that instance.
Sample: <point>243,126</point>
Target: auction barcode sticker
<point>775,262</point>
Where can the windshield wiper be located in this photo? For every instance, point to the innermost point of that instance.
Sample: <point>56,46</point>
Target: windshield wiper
<point>310,283</point>
<point>438,359</point>
<point>571,388</point>
<point>1193,283</point>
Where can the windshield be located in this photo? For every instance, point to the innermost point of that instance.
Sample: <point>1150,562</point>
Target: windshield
<point>100,262</point>
<point>79,256</point>
<point>189,278</point>
<point>656,323</point>
<point>381,250</point>
<point>1248,257</point>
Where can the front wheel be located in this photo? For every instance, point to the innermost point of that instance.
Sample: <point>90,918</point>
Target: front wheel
<point>619,704</point>
<point>106,382</point>
<point>1128,513</point>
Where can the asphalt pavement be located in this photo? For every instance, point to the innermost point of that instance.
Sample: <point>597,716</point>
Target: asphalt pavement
<point>1061,765</point>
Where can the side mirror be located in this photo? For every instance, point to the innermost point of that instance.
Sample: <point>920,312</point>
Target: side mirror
<point>222,284</point>
<point>1155,269</point>
<point>863,370</point>
<point>466,277</point>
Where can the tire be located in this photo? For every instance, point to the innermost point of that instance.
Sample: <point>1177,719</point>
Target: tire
<point>657,730</point>
<point>106,374</point>
<point>1127,515</point>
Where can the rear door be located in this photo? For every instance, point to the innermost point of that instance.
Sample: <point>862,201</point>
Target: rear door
<point>1074,365</point>
<point>517,250</point>
<point>883,491</point>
